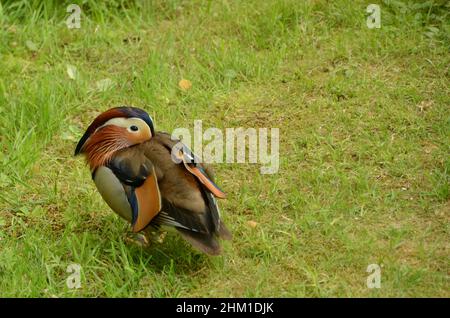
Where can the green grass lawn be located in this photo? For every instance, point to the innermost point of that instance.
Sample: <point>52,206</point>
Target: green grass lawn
<point>364,145</point>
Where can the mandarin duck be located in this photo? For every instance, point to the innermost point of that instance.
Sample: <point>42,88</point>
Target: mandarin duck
<point>134,170</point>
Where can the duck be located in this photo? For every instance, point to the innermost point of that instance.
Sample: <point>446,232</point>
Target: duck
<point>153,180</point>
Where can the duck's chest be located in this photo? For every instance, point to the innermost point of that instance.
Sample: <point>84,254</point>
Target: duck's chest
<point>113,192</point>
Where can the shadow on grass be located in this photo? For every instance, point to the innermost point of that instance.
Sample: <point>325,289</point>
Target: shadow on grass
<point>110,241</point>
<point>172,254</point>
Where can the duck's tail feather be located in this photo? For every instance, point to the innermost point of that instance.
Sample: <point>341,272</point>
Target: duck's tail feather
<point>204,242</point>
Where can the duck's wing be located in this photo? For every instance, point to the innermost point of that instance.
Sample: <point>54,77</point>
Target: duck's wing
<point>137,177</point>
<point>188,203</point>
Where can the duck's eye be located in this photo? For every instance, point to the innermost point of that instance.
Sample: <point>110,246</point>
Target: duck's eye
<point>134,128</point>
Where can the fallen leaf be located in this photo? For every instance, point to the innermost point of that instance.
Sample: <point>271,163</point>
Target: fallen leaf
<point>252,224</point>
<point>31,46</point>
<point>104,84</point>
<point>72,71</point>
<point>185,84</point>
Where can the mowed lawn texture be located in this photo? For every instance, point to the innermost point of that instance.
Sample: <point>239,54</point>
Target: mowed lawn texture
<point>364,145</point>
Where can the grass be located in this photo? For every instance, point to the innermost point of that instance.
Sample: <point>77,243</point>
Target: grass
<point>364,145</point>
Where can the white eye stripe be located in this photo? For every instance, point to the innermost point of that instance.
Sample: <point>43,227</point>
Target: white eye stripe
<point>126,123</point>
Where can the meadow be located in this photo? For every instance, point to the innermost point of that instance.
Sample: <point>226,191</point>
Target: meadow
<point>364,143</point>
